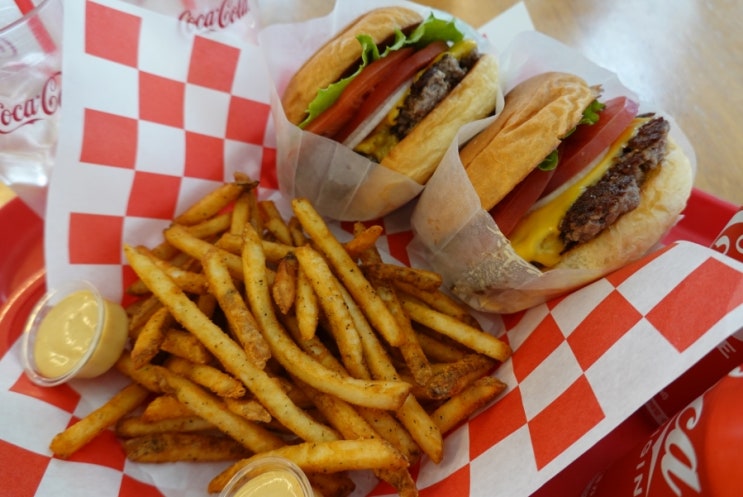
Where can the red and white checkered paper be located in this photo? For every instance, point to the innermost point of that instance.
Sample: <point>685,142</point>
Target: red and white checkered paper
<point>140,142</point>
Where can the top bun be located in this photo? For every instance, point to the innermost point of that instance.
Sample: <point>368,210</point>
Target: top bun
<point>335,57</point>
<point>537,114</point>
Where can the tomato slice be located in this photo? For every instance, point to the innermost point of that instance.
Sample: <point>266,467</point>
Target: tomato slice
<point>509,211</point>
<point>391,82</point>
<point>586,143</point>
<point>337,115</point>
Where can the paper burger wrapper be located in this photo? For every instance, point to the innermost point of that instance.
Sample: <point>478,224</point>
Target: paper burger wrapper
<point>340,183</point>
<point>460,239</point>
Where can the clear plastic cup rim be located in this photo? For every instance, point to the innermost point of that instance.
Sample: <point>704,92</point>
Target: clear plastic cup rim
<point>40,310</point>
<point>261,465</point>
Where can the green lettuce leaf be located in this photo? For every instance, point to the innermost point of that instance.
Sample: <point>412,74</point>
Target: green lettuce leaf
<point>432,29</point>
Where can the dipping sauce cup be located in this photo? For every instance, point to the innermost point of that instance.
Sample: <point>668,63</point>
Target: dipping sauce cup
<point>268,477</point>
<point>72,332</point>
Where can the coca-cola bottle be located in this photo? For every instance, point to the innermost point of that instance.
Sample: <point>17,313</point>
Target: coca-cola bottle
<point>697,452</point>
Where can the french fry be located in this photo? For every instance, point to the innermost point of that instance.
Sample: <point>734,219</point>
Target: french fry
<point>242,323</point>
<point>347,271</point>
<point>363,239</point>
<point>284,288</point>
<point>440,301</point>
<point>211,378</point>
<point>327,457</point>
<point>331,300</point>
<point>165,407</point>
<point>210,408</point>
<point>450,378</point>
<point>461,406</point>
<point>306,306</point>
<point>76,436</point>
<point>411,414</point>
<point>240,213</point>
<point>295,229</point>
<point>473,338</point>
<point>427,281</point>
<point>214,201</point>
<point>191,447</point>
<point>248,409</point>
<point>211,226</point>
<point>140,312</point>
<point>229,353</point>
<point>183,344</point>
<point>147,344</point>
<point>197,248</point>
<point>274,223</point>
<point>136,426</point>
<point>382,394</point>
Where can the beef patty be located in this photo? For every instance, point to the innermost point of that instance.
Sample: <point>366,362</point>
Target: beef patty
<point>618,191</point>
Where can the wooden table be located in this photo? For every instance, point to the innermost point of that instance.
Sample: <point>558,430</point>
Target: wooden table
<point>683,55</point>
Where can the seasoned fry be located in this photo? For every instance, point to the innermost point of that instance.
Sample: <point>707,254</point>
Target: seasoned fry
<point>473,338</point>
<point>211,226</point>
<point>136,426</point>
<point>165,407</point>
<point>440,301</point>
<point>284,288</point>
<point>328,291</point>
<point>347,271</point>
<point>459,407</point>
<point>248,409</point>
<point>427,281</point>
<point>192,447</point>
<point>240,213</point>
<point>328,457</point>
<point>183,344</point>
<point>363,239</point>
<point>232,357</point>
<point>242,323</point>
<point>76,436</point>
<point>197,248</point>
<point>450,378</point>
<point>147,344</point>
<point>274,223</point>
<point>209,377</point>
<point>213,202</point>
<point>210,408</point>
<point>306,306</point>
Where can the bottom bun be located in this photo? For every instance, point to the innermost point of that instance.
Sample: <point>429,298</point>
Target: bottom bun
<point>663,197</point>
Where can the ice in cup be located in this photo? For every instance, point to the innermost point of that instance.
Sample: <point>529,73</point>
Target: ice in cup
<point>30,97</point>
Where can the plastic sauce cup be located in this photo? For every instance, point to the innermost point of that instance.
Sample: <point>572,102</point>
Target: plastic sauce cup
<point>268,476</point>
<point>72,332</point>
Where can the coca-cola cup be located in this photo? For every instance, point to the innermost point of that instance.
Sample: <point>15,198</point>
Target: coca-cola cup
<point>697,452</point>
<point>30,96</point>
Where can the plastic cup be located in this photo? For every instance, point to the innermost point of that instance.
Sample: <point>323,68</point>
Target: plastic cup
<point>30,97</point>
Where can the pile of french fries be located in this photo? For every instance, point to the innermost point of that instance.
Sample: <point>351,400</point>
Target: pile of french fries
<point>253,335</point>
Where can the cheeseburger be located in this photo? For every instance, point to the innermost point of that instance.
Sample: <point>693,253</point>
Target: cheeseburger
<point>395,88</point>
<point>576,183</point>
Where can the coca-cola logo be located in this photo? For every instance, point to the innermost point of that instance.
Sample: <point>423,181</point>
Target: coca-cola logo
<point>227,13</point>
<point>672,455</point>
<point>13,115</point>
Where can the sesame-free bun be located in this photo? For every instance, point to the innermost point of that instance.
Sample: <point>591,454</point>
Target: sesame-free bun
<point>537,114</point>
<point>335,57</point>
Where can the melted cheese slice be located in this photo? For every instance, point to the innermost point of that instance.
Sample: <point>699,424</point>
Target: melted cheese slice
<point>536,238</point>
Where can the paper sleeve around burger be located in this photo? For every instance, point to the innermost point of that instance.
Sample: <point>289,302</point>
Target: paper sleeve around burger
<point>572,180</point>
<point>366,102</point>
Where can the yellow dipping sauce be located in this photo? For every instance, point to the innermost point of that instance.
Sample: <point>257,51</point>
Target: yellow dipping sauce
<point>81,335</point>
<point>268,476</point>
<point>275,483</point>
